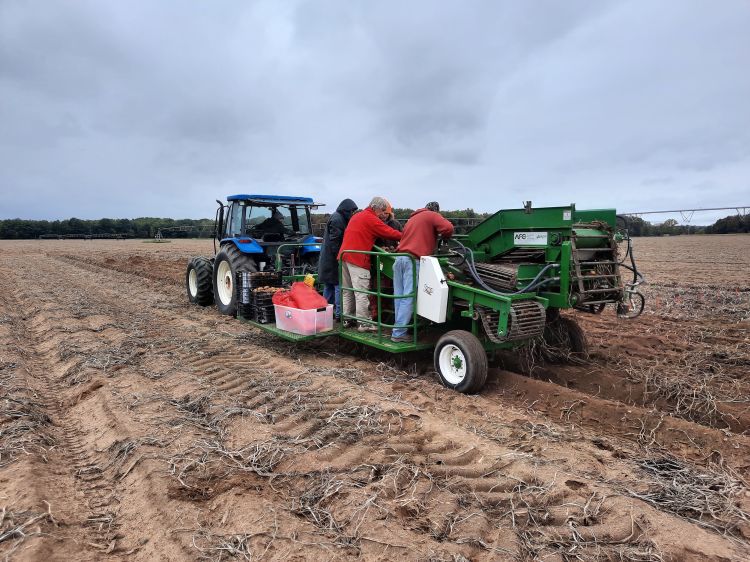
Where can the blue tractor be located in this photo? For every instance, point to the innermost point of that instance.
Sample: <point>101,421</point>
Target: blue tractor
<point>255,233</point>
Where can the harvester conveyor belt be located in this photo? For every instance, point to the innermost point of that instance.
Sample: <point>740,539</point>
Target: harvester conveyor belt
<point>527,320</point>
<point>602,276</point>
<point>498,276</point>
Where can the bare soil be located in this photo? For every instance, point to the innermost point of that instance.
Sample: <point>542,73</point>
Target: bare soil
<point>136,426</point>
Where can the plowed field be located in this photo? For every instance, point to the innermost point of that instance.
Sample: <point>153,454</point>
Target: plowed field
<point>136,426</point>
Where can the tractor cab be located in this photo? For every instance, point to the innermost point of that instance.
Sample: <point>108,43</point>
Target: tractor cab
<point>266,226</point>
<point>266,234</point>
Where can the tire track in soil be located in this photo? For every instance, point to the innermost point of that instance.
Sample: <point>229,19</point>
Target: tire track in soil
<point>63,346</point>
<point>610,383</point>
<point>28,440</point>
<point>436,455</point>
<point>85,497</point>
<point>104,294</point>
<point>43,333</point>
<point>419,444</point>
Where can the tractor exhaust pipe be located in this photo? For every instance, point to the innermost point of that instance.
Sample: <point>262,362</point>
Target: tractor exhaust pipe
<point>218,223</point>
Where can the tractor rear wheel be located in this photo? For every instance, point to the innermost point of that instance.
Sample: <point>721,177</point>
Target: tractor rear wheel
<point>461,361</point>
<point>229,261</point>
<point>198,281</point>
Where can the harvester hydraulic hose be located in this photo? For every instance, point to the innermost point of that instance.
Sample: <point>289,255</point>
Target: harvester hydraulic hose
<point>542,282</point>
<point>533,284</point>
<point>638,278</point>
<point>637,275</point>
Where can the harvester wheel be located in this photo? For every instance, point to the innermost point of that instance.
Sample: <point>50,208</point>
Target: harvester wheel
<point>199,281</point>
<point>461,362</point>
<point>229,261</point>
<point>564,337</point>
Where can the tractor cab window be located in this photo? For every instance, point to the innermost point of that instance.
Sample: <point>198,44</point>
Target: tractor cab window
<point>234,221</point>
<point>278,219</point>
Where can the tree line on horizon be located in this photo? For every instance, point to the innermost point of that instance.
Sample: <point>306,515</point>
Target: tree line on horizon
<point>148,227</point>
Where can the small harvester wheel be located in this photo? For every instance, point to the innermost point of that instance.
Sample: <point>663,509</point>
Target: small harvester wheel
<point>229,261</point>
<point>461,362</point>
<point>594,308</point>
<point>564,339</point>
<point>199,281</point>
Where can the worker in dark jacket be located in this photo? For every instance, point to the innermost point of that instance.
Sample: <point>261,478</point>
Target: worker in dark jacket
<point>419,239</point>
<point>360,234</point>
<point>328,265</point>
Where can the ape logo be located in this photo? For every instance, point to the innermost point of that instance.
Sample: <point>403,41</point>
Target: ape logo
<point>530,238</point>
<point>427,289</point>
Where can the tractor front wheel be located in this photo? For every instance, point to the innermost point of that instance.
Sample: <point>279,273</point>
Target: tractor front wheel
<point>229,261</point>
<point>198,281</point>
<point>461,362</point>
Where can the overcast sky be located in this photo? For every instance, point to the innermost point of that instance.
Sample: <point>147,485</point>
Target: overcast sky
<point>157,108</point>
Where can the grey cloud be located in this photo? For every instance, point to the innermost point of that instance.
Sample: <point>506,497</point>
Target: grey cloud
<point>145,108</point>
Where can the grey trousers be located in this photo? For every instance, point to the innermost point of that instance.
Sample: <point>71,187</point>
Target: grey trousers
<point>358,278</point>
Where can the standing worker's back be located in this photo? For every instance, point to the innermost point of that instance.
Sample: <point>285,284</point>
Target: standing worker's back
<point>418,239</point>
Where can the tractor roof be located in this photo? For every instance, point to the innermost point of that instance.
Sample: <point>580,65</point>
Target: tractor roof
<point>274,199</point>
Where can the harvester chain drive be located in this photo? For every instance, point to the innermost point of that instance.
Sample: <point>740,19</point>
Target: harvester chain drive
<point>498,275</point>
<point>527,320</point>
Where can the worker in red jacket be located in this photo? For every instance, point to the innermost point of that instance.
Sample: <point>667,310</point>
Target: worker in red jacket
<point>418,239</point>
<point>360,234</point>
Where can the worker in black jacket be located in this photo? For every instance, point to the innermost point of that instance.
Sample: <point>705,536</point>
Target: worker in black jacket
<point>328,265</point>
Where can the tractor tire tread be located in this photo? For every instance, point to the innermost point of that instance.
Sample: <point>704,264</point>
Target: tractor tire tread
<point>203,268</point>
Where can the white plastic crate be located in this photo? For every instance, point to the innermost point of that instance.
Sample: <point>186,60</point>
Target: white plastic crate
<point>304,322</point>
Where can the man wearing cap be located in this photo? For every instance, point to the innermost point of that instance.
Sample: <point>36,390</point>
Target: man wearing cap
<point>418,239</point>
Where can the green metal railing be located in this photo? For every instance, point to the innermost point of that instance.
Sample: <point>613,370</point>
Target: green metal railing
<point>379,294</point>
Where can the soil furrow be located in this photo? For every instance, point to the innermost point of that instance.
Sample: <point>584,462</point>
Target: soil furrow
<point>188,435</point>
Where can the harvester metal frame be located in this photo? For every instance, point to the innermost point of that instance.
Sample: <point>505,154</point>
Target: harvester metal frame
<point>507,280</point>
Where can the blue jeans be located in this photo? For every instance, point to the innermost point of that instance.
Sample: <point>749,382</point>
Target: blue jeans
<point>404,270</point>
<point>332,293</point>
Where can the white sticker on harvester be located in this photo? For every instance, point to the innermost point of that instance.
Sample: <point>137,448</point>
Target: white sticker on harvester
<point>566,215</point>
<point>529,238</point>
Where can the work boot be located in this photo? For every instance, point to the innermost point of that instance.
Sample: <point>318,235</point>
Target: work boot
<point>406,338</point>
<point>367,328</point>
